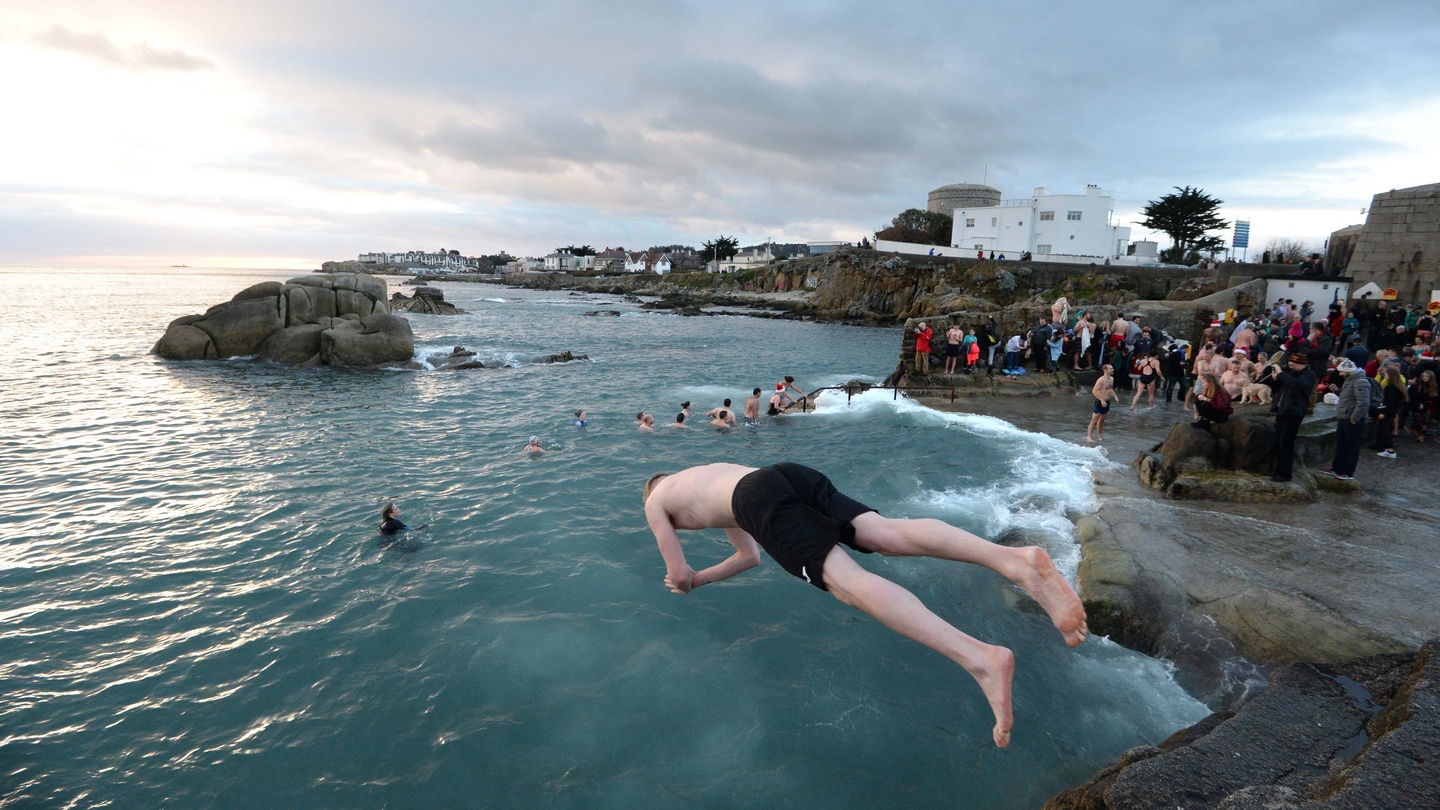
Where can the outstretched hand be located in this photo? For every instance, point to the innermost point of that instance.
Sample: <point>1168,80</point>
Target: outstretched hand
<point>683,583</point>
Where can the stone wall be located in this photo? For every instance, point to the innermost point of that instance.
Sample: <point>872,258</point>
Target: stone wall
<point>1400,244</point>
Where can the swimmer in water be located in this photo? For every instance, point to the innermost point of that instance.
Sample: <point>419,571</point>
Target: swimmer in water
<point>390,520</point>
<point>679,421</point>
<point>645,422</point>
<point>533,446</point>
<point>723,420</point>
<point>580,420</point>
<point>723,412</point>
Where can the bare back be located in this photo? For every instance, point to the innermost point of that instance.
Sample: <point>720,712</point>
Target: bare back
<point>697,498</point>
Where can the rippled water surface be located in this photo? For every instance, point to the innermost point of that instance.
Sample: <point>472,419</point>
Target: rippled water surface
<point>197,611</point>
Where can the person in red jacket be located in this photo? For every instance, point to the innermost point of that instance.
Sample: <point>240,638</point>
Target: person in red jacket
<point>922,348</point>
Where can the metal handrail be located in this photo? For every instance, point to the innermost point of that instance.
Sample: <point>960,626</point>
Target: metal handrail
<point>852,390</point>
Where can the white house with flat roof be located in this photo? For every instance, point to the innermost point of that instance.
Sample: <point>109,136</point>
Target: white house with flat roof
<point>1045,224</point>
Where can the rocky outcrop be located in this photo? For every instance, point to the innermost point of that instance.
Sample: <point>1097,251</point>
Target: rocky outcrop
<point>462,359</point>
<point>324,319</point>
<point>427,300</point>
<point>1226,461</point>
<point>1362,733</point>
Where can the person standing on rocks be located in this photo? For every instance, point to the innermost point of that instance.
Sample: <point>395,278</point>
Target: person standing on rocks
<point>1041,342</point>
<point>922,348</point>
<point>1350,413</point>
<point>954,336</point>
<point>1387,421</point>
<point>989,339</point>
<point>1291,400</point>
<point>1174,367</point>
<point>1104,392</point>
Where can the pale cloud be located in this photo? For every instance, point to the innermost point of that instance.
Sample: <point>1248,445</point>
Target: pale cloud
<point>139,56</point>
<point>340,127</point>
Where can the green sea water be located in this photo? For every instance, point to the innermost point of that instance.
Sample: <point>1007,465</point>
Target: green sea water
<point>198,613</point>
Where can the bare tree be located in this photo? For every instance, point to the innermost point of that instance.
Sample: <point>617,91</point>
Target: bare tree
<point>1288,249</point>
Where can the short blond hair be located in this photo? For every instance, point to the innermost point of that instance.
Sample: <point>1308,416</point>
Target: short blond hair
<point>650,485</point>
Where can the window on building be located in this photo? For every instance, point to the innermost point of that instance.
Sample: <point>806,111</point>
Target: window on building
<point>1046,216</point>
<point>994,221</point>
<point>982,247</point>
<point>970,223</point>
<point>1042,248</point>
<point>1073,216</point>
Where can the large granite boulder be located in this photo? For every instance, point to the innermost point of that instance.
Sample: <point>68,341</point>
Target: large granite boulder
<point>330,318</point>
<point>369,341</point>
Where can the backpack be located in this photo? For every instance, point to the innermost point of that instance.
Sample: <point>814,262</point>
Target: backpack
<point>1377,397</point>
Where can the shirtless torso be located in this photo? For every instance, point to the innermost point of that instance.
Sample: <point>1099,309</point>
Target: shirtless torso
<point>701,497</point>
<point>1234,382</point>
<point>752,407</point>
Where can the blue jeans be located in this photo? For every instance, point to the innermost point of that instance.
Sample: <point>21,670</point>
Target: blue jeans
<point>1347,446</point>
<point>1012,359</point>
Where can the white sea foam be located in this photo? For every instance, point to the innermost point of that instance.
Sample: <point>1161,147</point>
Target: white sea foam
<point>1050,478</point>
<point>494,300</point>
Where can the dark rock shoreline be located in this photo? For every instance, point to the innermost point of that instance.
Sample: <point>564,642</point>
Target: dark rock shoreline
<point>1357,734</point>
<point>1230,590</point>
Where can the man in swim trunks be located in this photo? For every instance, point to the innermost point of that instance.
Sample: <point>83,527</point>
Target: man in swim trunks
<point>1104,391</point>
<point>752,407</point>
<point>801,520</point>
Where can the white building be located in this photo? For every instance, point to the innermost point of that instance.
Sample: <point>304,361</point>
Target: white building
<point>647,261</point>
<point>1045,225</point>
<point>563,261</point>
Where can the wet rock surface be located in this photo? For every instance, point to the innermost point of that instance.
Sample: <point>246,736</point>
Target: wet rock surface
<point>427,300</point>
<point>1228,590</point>
<point>1358,734</point>
<point>462,359</point>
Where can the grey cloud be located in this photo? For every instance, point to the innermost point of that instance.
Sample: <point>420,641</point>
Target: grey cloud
<point>98,46</point>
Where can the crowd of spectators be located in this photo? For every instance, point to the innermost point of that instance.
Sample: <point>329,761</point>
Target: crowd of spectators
<point>1375,361</point>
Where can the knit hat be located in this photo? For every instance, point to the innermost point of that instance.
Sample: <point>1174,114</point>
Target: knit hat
<point>1347,367</point>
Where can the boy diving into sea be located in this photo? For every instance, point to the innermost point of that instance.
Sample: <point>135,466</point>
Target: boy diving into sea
<point>801,520</point>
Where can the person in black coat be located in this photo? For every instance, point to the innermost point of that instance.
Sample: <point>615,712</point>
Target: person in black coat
<point>1291,400</point>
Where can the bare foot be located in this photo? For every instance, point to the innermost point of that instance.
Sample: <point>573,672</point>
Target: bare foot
<point>1044,583</point>
<point>994,675</point>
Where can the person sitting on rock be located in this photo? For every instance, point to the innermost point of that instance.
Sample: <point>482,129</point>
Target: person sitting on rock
<point>1212,402</point>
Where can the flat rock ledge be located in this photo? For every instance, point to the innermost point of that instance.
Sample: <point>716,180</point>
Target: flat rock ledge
<point>1363,733</point>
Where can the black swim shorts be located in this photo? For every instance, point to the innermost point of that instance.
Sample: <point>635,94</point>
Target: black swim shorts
<point>797,516</point>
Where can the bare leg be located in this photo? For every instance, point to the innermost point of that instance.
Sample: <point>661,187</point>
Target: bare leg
<point>898,609</point>
<point>1030,567</point>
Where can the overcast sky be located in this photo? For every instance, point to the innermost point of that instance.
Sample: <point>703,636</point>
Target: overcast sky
<point>286,132</point>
